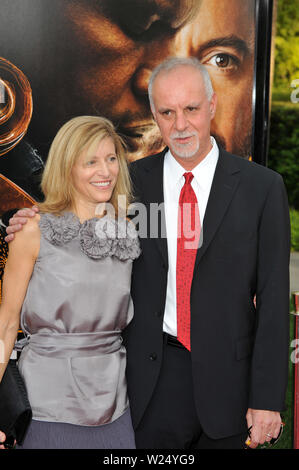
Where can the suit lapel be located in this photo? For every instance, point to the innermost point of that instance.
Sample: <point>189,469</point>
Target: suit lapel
<point>154,194</point>
<point>225,182</point>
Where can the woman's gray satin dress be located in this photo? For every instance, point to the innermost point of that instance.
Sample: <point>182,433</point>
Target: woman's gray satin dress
<point>77,303</point>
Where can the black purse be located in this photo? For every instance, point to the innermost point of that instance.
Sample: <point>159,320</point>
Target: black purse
<point>15,409</point>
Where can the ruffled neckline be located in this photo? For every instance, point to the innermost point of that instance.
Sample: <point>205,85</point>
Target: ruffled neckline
<point>98,237</point>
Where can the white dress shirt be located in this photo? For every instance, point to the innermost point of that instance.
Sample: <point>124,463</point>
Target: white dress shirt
<point>173,181</point>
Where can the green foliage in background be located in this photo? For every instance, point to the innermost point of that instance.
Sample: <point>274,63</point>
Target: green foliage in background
<point>287,43</point>
<point>283,155</point>
<point>286,440</point>
<point>294,219</point>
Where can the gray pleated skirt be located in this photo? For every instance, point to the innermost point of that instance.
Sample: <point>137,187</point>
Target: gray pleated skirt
<point>50,435</point>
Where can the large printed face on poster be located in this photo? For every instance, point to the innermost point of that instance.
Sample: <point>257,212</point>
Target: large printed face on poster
<point>96,56</point>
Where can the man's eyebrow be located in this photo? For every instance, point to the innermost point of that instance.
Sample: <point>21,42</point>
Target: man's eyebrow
<point>225,41</point>
<point>163,108</point>
<point>193,104</point>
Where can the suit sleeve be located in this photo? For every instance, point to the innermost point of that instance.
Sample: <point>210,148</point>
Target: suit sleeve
<point>269,372</point>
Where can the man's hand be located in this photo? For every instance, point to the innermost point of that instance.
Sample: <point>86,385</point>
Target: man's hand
<point>264,424</point>
<point>2,440</point>
<point>4,444</point>
<point>18,220</point>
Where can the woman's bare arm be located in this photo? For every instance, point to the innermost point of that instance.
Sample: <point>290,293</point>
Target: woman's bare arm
<point>23,252</point>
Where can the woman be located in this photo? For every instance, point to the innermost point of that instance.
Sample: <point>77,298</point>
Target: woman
<point>68,273</point>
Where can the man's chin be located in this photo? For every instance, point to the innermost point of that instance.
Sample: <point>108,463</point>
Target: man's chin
<point>186,151</point>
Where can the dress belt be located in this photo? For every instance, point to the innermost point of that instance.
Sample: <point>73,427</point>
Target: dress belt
<point>73,344</point>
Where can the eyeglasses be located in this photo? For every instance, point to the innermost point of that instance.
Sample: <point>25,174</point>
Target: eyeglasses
<point>267,444</point>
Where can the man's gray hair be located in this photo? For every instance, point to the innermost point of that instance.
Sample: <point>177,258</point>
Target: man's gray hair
<point>174,62</point>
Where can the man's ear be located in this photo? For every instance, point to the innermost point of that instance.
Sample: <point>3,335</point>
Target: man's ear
<point>153,114</point>
<point>213,105</point>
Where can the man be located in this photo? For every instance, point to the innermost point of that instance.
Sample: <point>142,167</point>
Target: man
<point>233,375</point>
<point>200,375</point>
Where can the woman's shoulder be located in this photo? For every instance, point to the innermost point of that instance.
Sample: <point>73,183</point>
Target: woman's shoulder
<point>34,220</point>
<point>31,226</point>
<point>27,240</point>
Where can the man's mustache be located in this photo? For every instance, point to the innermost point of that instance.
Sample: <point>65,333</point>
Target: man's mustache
<point>182,135</point>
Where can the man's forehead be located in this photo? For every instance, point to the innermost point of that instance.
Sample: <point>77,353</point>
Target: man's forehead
<point>184,86</point>
<point>228,18</point>
<point>182,77</point>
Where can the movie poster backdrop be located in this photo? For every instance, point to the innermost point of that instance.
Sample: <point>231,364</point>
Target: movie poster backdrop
<point>64,58</point>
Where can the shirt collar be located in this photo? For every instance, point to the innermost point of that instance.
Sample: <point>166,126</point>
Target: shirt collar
<point>175,171</point>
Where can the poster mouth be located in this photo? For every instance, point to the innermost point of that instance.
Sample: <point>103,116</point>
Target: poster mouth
<point>139,130</point>
<point>141,140</point>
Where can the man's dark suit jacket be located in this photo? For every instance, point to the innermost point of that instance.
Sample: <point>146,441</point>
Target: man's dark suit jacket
<point>239,353</point>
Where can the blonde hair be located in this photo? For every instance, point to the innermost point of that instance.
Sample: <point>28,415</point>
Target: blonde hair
<point>77,135</point>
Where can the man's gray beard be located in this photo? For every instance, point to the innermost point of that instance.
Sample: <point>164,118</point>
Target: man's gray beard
<point>184,152</point>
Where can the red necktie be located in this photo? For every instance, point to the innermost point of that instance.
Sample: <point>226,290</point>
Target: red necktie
<point>187,245</point>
